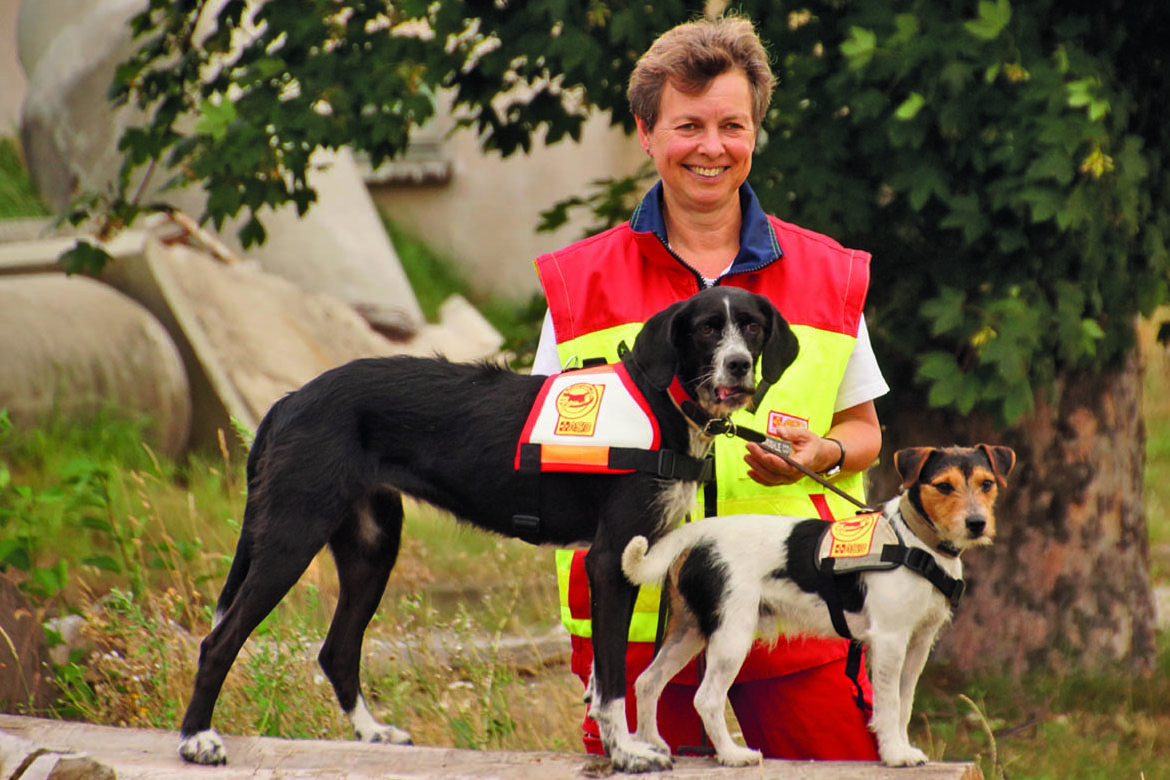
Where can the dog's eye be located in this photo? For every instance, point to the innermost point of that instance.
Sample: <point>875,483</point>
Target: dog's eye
<point>705,330</point>
<point>752,328</point>
<point>946,488</point>
<point>988,485</point>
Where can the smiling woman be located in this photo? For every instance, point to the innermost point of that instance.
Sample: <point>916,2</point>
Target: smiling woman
<point>698,96</point>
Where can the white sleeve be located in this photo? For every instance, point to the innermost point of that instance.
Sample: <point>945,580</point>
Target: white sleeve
<point>546,361</point>
<point>863,380</point>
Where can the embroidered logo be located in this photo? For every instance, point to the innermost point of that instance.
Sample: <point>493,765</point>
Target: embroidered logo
<point>577,407</point>
<point>853,537</point>
<point>778,421</point>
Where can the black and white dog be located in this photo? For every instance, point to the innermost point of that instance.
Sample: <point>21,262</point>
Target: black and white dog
<point>730,577</point>
<point>331,460</point>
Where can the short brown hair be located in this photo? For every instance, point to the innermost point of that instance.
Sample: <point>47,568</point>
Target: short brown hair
<point>691,55</point>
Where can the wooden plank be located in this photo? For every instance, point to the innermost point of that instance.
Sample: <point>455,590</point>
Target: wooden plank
<point>142,754</point>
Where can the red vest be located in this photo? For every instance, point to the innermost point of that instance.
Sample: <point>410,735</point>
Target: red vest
<point>620,278</point>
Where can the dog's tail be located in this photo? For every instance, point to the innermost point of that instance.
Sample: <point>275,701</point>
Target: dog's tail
<point>644,564</point>
<point>242,560</point>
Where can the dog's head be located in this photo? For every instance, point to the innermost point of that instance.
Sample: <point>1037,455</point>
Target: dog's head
<point>954,489</point>
<point>711,342</point>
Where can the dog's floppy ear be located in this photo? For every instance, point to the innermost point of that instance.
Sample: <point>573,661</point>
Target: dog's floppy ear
<point>909,462</point>
<point>1002,459</point>
<point>656,347</point>
<point>780,348</point>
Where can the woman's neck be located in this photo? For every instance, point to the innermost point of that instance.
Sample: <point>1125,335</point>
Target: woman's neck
<point>708,242</point>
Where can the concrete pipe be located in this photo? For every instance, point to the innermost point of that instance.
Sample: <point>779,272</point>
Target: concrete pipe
<point>70,346</point>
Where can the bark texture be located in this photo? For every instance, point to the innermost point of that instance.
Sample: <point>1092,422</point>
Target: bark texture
<point>1067,584</point>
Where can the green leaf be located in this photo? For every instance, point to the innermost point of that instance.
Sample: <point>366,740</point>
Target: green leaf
<point>84,258</point>
<point>103,562</point>
<point>993,18</point>
<point>859,48</point>
<point>910,107</point>
<point>214,117</point>
<point>945,312</point>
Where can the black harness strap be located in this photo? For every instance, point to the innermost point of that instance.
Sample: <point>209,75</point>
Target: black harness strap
<point>837,614</point>
<point>666,464</point>
<point>918,560</point>
<point>526,524</point>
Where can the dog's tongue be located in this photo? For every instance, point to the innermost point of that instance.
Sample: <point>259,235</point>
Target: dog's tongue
<point>723,393</point>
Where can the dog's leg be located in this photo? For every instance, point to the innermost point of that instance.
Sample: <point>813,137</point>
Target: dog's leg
<point>679,647</point>
<point>272,573</point>
<point>916,655</point>
<point>726,650</point>
<point>612,605</point>
<point>887,661</point>
<point>365,549</point>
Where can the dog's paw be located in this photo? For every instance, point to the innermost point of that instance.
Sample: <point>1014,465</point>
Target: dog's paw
<point>386,735</point>
<point>204,747</point>
<point>905,756</point>
<point>740,756</point>
<point>637,757</point>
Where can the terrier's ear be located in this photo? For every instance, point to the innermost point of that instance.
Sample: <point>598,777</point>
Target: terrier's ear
<point>1002,459</point>
<point>909,462</point>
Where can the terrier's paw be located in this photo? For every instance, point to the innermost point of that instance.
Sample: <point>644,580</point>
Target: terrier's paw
<point>203,747</point>
<point>635,757</point>
<point>740,756</point>
<point>387,735</point>
<point>905,756</point>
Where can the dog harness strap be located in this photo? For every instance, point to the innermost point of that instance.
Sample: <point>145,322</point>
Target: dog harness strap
<point>918,560</point>
<point>833,598</point>
<point>667,464</point>
<point>853,672</point>
<point>526,523</point>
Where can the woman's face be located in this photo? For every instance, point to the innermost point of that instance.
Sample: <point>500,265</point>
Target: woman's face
<point>702,144</point>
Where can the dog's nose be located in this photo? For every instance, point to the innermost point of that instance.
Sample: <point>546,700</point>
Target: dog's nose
<point>975,526</point>
<point>739,367</point>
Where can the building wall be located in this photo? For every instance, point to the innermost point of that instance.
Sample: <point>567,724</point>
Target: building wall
<point>485,213</point>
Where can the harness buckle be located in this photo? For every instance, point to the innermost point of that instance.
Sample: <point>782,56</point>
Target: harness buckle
<point>666,463</point>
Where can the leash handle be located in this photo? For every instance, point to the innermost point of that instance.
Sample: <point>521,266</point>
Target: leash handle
<point>783,450</point>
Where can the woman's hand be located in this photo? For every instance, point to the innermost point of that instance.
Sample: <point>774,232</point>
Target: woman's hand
<point>772,470</point>
<point>856,428</point>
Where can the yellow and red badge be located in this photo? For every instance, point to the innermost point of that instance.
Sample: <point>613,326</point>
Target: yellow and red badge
<point>577,407</point>
<point>853,537</point>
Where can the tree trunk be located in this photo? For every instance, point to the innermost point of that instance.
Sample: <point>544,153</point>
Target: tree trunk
<point>1067,584</point>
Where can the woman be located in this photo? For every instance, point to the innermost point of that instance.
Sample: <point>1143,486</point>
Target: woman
<point>698,96</point>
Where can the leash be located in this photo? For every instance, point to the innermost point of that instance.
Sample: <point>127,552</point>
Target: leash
<point>724,426</point>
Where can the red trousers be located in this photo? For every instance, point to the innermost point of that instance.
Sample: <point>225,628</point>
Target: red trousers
<point>807,715</point>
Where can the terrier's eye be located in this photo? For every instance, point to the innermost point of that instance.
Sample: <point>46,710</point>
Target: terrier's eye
<point>988,485</point>
<point>946,488</point>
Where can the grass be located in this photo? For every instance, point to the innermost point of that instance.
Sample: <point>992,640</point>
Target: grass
<point>18,195</point>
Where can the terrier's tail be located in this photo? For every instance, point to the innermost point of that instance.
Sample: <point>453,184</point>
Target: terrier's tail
<point>644,564</point>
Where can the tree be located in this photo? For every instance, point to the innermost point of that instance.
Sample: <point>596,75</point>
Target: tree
<point>1007,165</point>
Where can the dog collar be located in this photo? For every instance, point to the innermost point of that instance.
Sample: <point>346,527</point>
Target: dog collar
<point>924,529</point>
<point>699,419</point>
